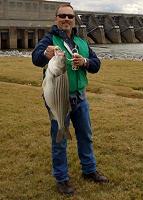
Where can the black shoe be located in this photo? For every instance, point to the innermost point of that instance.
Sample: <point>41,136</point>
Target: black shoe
<point>96,177</point>
<point>65,188</point>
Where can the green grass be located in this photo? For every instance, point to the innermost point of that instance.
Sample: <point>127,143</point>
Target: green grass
<point>115,95</point>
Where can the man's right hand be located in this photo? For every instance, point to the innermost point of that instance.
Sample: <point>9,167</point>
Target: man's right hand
<point>50,51</point>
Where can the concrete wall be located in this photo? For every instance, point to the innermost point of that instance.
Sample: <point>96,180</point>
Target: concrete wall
<point>27,9</point>
<point>24,22</point>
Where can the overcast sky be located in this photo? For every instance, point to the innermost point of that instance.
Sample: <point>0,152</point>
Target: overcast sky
<point>119,6</point>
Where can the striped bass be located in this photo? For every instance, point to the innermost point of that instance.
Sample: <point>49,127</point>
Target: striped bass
<point>56,94</point>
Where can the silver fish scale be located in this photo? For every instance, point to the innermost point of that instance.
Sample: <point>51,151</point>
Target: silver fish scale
<point>56,95</point>
<point>61,98</point>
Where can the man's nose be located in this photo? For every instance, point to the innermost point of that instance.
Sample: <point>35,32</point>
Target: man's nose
<point>67,17</point>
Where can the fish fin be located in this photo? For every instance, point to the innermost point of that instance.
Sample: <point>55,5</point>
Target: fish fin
<point>60,135</point>
<point>63,133</point>
<point>51,116</point>
<point>44,83</point>
<point>68,135</point>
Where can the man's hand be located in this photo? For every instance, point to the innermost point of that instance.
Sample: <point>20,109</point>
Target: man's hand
<point>78,60</point>
<point>50,51</point>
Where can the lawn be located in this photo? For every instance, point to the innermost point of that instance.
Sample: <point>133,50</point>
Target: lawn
<point>115,95</point>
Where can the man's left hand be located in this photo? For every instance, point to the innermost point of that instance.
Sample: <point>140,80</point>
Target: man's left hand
<point>78,60</point>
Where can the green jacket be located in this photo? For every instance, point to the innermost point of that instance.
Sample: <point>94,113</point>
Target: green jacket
<point>77,78</point>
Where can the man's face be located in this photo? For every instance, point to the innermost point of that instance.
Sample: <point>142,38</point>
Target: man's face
<point>65,19</point>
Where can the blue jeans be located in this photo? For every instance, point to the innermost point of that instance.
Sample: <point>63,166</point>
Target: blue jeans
<point>81,123</point>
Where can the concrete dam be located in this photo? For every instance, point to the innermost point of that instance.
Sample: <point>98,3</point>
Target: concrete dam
<point>105,28</point>
<point>23,24</point>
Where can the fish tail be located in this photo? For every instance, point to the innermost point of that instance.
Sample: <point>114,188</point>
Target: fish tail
<point>68,135</point>
<point>63,133</point>
<point>60,135</point>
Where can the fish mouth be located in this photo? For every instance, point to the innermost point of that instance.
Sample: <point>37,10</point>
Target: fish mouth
<point>59,52</point>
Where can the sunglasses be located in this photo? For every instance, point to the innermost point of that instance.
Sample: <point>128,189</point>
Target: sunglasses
<point>63,16</point>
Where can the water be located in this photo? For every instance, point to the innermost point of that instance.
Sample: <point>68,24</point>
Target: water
<point>18,53</point>
<point>103,51</point>
<point>120,51</point>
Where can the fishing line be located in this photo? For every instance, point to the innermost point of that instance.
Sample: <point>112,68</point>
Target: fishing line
<point>74,50</point>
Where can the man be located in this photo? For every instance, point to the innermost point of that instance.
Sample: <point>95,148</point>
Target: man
<point>63,35</point>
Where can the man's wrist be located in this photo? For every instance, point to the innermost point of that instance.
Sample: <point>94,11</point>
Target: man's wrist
<point>85,62</point>
<point>45,52</point>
